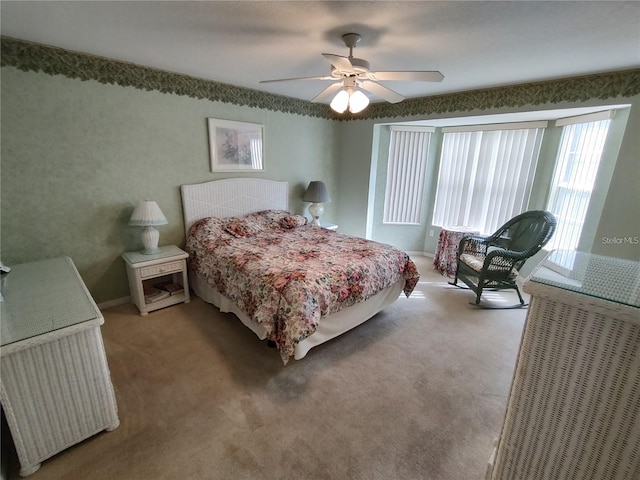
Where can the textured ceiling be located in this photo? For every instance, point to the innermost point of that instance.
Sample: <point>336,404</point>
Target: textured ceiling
<point>474,44</point>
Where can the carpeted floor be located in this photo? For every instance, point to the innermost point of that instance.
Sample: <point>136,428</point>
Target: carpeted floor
<point>417,392</point>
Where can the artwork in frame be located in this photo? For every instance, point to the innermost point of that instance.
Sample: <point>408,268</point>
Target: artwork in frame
<point>235,146</point>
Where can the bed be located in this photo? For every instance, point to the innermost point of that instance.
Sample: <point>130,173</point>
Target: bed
<point>286,280</point>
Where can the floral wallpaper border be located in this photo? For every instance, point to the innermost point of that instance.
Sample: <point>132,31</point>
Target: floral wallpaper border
<point>28,56</point>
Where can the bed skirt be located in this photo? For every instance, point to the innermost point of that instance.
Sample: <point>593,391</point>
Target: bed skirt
<point>328,328</point>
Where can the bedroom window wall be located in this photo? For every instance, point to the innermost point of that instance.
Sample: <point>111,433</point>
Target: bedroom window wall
<point>486,174</point>
<point>406,167</point>
<point>574,178</point>
<point>523,150</point>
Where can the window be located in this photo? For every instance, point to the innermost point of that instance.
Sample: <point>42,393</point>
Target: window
<point>574,177</point>
<point>406,169</point>
<point>486,174</point>
<point>255,145</point>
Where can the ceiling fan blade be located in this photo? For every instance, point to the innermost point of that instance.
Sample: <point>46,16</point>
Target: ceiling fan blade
<point>341,63</point>
<point>298,78</point>
<point>381,91</point>
<point>327,93</point>
<point>415,76</point>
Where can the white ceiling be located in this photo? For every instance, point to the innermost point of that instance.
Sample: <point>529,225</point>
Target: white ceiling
<point>476,44</point>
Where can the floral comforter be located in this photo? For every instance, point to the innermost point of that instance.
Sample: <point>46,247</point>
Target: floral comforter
<point>286,275</point>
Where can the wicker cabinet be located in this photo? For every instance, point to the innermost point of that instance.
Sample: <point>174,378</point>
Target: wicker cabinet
<point>55,386</point>
<point>574,406</point>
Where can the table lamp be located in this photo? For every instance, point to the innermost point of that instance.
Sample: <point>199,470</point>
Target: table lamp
<point>148,214</point>
<point>317,194</point>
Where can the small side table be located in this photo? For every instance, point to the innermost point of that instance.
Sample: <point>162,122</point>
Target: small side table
<point>329,226</point>
<point>446,257</point>
<point>157,280</point>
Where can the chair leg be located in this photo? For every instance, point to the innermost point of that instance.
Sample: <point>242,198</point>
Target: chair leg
<point>519,295</point>
<point>493,306</point>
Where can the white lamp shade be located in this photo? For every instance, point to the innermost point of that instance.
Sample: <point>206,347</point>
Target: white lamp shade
<point>358,101</point>
<point>147,213</point>
<point>340,102</point>
<point>349,97</point>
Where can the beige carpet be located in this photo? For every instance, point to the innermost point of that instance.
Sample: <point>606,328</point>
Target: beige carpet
<point>417,392</point>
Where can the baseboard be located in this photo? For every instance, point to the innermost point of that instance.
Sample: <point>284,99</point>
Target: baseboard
<point>114,303</point>
<point>420,254</point>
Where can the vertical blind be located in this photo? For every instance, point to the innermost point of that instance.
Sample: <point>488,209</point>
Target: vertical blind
<point>486,174</point>
<point>406,169</point>
<point>574,177</point>
<point>256,153</point>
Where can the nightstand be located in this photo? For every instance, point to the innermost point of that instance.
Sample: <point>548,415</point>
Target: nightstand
<point>157,280</point>
<point>329,226</point>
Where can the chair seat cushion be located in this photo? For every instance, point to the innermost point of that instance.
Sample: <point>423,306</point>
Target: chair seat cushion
<point>476,264</point>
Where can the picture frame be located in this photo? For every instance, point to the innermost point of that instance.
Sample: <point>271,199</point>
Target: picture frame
<point>235,146</point>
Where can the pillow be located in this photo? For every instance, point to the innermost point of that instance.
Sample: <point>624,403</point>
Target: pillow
<point>242,227</point>
<point>269,218</point>
<point>209,226</point>
<point>293,221</point>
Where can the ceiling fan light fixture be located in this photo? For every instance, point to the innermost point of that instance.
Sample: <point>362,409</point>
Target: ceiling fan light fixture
<point>340,102</point>
<point>358,101</point>
<point>354,76</point>
<point>351,98</point>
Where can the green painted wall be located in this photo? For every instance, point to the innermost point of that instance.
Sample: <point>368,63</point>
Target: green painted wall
<point>77,156</point>
<point>621,164</point>
<point>620,217</point>
<point>355,139</point>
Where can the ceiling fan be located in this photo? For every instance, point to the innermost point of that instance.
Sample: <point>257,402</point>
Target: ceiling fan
<point>351,74</point>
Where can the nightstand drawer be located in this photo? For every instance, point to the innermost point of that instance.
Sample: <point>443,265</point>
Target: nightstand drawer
<point>165,268</point>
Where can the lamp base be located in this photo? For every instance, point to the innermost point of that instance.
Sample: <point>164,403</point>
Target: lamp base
<point>150,237</point>
<point>315,210</point>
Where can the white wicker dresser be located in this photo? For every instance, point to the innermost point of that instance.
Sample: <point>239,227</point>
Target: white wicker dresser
<point>574,408</point>
<point>55,385</point>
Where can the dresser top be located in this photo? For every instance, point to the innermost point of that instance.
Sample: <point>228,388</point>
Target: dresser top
<point>606,278</point>
<point>41,297</point>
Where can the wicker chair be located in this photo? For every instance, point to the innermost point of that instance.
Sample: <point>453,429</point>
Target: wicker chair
<point>492,262</point>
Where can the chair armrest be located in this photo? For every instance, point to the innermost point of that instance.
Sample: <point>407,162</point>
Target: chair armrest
<point>473,244</point>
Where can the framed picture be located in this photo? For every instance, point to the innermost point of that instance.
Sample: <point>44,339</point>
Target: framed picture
<point>235,146</point>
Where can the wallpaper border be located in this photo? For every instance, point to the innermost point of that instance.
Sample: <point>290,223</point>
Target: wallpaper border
<point>28,56</point>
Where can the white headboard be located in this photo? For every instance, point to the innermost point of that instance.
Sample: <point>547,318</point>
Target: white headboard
<point>232,197</point>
